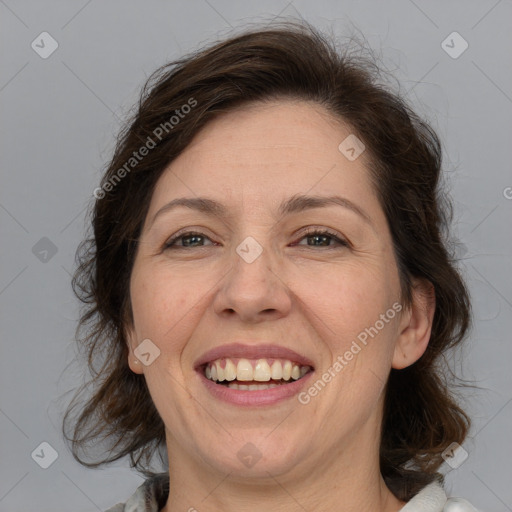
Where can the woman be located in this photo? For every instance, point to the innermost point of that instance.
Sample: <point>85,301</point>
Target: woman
<point>268,290</point>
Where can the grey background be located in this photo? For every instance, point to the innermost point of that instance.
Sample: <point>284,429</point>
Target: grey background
<point>58,120</point>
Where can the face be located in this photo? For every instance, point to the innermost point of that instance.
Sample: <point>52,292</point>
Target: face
<point>258,286</point>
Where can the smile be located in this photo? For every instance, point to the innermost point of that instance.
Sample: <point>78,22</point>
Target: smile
<point>251,374</point>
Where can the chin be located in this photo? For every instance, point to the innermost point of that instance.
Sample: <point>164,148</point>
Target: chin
<point>257,457</point>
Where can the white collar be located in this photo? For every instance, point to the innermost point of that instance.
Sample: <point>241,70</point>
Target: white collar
<point>431,498</point>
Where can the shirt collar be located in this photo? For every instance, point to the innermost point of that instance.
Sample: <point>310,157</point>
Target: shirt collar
<point>152,496</point>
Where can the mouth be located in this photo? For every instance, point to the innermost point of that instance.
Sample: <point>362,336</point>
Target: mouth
<point>254,374</point>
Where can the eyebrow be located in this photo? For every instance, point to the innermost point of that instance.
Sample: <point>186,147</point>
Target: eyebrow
<point>294,204</point>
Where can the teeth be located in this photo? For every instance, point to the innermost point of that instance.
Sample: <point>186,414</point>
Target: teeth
<point>220,371</point>
<point>244,370</point>
<point>276,372</point>
<point>251,387</point>
<point>296,372</point>
<point>287,370</point>
<point>229,370</point>
<point>262,372</point>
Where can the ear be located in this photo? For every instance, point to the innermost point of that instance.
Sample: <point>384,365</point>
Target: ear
<point>415,325</point>
<point>134,363</point>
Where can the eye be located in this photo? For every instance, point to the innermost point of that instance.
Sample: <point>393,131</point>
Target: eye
<point>189,239</point>
<point>194,239</point>
<point>323,236</point>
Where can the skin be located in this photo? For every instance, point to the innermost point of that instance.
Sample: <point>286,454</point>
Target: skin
<point>311,298</point>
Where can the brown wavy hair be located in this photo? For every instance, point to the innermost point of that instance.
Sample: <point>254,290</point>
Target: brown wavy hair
<point>287,60</point>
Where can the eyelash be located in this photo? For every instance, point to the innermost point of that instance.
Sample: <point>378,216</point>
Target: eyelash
<point>310,232</point>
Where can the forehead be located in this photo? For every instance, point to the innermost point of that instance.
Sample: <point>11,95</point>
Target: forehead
<point>272,126</point>
<point>264,152</point>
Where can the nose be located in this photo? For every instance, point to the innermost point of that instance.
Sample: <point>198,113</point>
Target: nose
<point>253,289</point>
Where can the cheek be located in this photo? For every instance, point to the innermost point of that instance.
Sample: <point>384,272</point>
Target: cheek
<point>162,305</point>
<point>344,307</point>
<point>348,296</point>
<point>346,310</point>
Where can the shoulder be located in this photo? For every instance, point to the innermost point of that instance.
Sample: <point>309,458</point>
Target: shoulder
<point>432,498</point>
<point>150,496</point>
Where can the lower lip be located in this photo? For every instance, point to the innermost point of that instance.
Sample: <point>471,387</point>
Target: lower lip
<point>257,397</point>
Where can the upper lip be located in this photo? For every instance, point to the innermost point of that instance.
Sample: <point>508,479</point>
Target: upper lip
<point>260,351</point>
